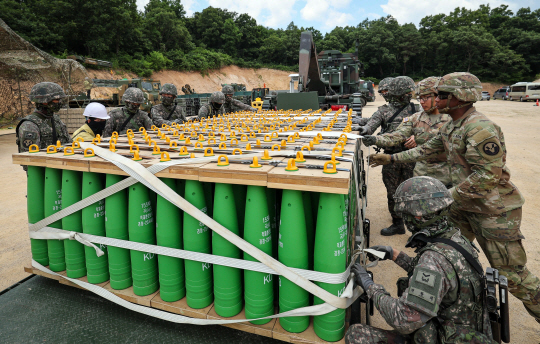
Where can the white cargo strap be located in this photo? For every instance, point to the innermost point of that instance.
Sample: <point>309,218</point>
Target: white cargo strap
<point>61,235</point>
<point>152,182</point>
<point>88,239</point>
<point>349,295</point>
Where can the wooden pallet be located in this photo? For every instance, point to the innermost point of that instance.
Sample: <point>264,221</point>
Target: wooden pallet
<point>272,329</point>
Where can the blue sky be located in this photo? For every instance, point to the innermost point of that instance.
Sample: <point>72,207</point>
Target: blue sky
<point>324,15</point>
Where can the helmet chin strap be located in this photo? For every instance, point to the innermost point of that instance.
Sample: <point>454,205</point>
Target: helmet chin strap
<point>448,108</point>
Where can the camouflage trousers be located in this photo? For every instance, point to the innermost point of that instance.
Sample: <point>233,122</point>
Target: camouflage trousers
<point>365,334</point>
<point>392,176</point>
<point>500,238</point>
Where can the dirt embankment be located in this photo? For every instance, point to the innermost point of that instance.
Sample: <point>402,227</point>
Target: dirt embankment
<point>211,82</point>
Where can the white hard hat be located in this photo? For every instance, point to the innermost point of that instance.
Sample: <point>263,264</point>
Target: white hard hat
<point>96,110</point>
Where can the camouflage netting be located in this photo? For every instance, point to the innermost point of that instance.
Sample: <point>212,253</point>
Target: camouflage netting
<point>22,65</point>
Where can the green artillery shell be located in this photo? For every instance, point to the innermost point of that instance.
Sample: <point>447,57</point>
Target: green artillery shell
<point>53,204</point>
<point>259,289</point>
<point>227,280</point>
<point>35,198</point>
<point>197,239</point>
<point>93,221</point>
<point>240,200</point>
<point>293,252</point>
<point>142,229</point>
<point>169,234</point>
<point>330,256</point>
<point>116,226</point>
<point>75,257</point>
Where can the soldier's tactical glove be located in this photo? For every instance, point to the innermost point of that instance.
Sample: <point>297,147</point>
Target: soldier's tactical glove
<point>375,160</point>
<point>355,128</point>
<point>388,252</point>
<point>362,131</point>
<point>369,140</point>
<point>361,277</point>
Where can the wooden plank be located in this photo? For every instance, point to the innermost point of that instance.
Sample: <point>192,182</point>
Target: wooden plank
<point>236,173</point>
<point>83,279</point>
<point>31,270</point>
<point>30,159</point>
<point>261,330</point>
<point>128,295</point>
<point>76,162</point>
<point>307,337</point>
<point>179,307</point>
<point>311,179</point>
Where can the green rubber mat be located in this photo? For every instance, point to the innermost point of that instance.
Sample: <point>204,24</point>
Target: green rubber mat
<point>41,310</point>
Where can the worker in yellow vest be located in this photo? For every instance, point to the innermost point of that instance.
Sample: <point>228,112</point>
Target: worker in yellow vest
<point>96,118</point>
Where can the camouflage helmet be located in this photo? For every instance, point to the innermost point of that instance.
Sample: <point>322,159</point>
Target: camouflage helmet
<point>169,89</point>
<point>227,89</point>
<point>217,97</point>
<point>421,196</point>
<point>44,92</point>
<point>384,84</point>
<point>401,85</point>
<point>426,86</point>
<point>462,85</point>
<point>133,95</point>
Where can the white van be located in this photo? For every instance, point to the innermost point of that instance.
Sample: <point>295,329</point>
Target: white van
<point>532,92</point>
<point>517,91</point>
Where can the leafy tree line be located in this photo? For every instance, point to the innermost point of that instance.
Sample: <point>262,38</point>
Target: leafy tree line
<point>493,43</point>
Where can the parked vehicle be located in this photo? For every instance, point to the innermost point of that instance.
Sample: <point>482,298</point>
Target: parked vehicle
<point>501,93</point>
<point>517,91</point>
<point>485,95</point>
<point>532,92</point>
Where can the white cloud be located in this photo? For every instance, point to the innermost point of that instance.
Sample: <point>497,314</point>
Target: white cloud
<point>276,13</point>
<point>407,11</point>
<point>326,12</point>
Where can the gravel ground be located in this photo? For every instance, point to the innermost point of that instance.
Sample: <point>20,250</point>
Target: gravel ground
<point>519,121</point>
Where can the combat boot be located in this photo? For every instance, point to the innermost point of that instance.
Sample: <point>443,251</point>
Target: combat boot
<point>397,227</point>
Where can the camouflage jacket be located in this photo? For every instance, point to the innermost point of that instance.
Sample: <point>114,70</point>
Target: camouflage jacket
<point>360,120</point>
<point>208,111</point>
<point>35,129</point>
<point>160,115</point>
<point>424,127</point>
<point>444,285</point>
<point>85,132</point>
<point>476,153</point>
<point>383,114</point>
<point>119,116</point>
<point>236,105</point>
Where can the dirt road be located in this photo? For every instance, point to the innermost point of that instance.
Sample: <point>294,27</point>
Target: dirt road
<point>519,121</point>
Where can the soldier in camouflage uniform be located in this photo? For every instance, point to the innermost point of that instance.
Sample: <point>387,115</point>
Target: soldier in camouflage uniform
<point>129,116</point>
<point>167,112</point>
<point>214,107</point>
<point>389,117</point>
<point>418,129</point>
<point>233,105</point>
<point>487,204</point>
<point>442,299</point>
<point>43,127</point>
<point>383,91</point>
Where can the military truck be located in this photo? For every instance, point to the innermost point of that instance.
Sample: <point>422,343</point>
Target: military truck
<point>150,88</point>
<point>328,79</point>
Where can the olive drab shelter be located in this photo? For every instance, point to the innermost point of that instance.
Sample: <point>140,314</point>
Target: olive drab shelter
<point>22,65</point>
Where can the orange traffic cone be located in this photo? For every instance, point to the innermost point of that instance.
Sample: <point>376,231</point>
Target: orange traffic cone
<point>537,104</point>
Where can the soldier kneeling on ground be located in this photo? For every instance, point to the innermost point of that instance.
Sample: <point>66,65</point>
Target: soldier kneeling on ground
<point>443,298</point>
<point>43,127</point>
<point>167,112</point>
<point>233,105</point>
<point>129,116</point>
<point>96,119</point>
